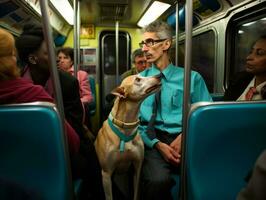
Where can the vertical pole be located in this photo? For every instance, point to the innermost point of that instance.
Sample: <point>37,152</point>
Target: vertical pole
<point>176,34</point>
<point>75,37</point>
<point>56,83</point>
<point>78,35</point>
<point>186,97</point>
<point>117,50</point>
<point>52,59</point>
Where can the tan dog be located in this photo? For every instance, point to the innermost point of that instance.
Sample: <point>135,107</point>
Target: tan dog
<point>117,151</point>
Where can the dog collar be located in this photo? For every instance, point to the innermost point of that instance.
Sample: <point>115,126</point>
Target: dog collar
<point>125,125</point>
<point>123,138</point>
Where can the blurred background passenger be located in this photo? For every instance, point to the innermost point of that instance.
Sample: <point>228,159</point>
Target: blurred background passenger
<point>250,84</point>
<point>65,58</point>
<point>140,64</point>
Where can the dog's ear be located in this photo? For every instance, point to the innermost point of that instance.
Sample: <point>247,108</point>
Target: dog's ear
<point>120,92</point>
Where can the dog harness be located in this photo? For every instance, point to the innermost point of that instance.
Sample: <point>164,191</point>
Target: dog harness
<point>123,138</point>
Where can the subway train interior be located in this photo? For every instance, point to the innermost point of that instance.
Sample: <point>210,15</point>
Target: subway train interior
<point>104,34</point>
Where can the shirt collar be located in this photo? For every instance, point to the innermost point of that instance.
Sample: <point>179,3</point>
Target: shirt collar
<point>167,72</point>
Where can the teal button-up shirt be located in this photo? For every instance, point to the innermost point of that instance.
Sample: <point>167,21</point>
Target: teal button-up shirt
<point>169,112</point>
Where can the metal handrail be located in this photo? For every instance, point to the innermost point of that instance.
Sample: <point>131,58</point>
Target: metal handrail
<point>186,96</point>
<point>117,51</point>
<point>76,36</point>
<point>52,58</point>
<point>176,33</point>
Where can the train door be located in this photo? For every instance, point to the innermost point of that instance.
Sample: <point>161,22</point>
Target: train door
<point>108,79</point>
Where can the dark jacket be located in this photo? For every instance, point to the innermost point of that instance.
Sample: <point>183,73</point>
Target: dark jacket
<point>237,85</point>
<point>71,99</point>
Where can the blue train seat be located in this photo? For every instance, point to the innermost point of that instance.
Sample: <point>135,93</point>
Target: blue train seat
<point>32,150</point>
<point>92,105</point>
<point>223,142</point>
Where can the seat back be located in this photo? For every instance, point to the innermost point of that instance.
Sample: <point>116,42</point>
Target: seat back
<point>32,150</point>
<point>223,143</point>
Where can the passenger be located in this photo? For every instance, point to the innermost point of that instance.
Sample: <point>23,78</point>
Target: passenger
<point>163,137</point>
<point>250,84</point>
<point>65,57</point>
<point>32,51</point>
<point>14,89</point>
<point>140,64</point>
<point>255,188</point>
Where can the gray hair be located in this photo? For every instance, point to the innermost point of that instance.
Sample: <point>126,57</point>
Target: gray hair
<point>162,29</point>
<point>137,52</point>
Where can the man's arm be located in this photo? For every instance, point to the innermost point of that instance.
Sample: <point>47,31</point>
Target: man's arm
<point>143,132</point>
<point>168,152</point>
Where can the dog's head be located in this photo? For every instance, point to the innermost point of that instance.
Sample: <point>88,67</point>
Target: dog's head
<point>137,88</point>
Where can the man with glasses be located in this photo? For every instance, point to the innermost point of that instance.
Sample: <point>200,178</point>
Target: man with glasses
<point>140,62</point>
<point>162,132</point>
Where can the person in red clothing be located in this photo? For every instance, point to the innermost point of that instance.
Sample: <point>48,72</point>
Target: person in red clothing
<point>14,89</point>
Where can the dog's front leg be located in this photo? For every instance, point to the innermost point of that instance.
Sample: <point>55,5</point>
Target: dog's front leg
<point>107,185</point>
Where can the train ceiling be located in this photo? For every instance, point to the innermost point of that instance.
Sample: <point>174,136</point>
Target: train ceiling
<point>106,12</point>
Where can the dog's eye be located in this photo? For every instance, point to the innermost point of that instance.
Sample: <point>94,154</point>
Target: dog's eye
<point>137,79</point>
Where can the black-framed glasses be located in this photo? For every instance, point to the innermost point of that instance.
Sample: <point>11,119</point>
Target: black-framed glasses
<point>150,42</point>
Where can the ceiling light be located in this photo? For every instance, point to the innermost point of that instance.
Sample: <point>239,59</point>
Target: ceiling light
<point>248,24</point>
<point>155,10</point>
<point>65,9</point>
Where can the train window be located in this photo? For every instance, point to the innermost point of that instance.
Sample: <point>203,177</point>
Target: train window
<point>203,61</point>
<point>247,33</point>
<point>243,30</point>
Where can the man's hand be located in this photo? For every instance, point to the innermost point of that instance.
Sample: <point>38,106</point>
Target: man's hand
<point>168,153</point>
<point>176,144</point>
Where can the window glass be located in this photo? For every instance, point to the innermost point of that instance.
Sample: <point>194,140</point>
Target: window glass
<point>203,56</point>
<point>246,34</point>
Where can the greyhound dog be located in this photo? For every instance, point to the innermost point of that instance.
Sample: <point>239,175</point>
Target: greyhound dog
<point>118,144</point>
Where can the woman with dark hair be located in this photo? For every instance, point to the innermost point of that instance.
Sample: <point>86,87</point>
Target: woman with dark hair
<point>14,89</point>
<point>32,50</point>
<point>251,84</point>
<point>33,53</point>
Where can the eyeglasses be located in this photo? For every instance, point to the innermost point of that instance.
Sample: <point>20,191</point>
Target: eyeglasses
<point>150,42</point>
